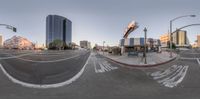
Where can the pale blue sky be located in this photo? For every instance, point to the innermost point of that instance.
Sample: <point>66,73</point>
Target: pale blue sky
<point>98,20</point>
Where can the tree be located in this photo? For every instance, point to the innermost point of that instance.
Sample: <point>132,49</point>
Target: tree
<point>173,45</point>
<point>116,50</point>
<point>57,44</point>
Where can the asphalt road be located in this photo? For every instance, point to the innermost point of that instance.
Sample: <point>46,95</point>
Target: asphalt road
<point>103,79</point>
<point>45,67</point>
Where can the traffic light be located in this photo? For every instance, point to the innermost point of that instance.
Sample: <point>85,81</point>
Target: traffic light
<point>14,29</point>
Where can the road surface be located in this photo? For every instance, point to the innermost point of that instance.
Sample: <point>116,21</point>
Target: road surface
<point>103,79</point>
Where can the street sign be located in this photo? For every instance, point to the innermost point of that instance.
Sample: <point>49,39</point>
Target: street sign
<point>12,28</point>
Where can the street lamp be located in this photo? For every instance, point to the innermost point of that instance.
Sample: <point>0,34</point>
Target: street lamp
<point>171,30</point>
<point>9,27</point>
<point>145,37</point>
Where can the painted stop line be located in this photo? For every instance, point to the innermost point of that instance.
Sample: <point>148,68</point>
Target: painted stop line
<point>172,76</point>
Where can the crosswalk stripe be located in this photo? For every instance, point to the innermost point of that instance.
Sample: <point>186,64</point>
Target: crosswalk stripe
<point>198,61</point>
<point>172,76</point>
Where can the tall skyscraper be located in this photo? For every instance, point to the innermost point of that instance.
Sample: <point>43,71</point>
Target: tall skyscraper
<point>58,27</point>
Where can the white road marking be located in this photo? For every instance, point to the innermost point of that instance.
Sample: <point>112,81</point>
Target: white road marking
<point>181,75</point>
<point>168,71</point>
<point>172,76</point>
<point>29,60</point>
<point>44,86</point>
<point>159,73</point>
<point>51,61</point>
<point>95,66</point>
<point>198,61</point>
<point>16,56</point>
<point>174,81</point>
<point>186,58</point>
<point>104,66</point>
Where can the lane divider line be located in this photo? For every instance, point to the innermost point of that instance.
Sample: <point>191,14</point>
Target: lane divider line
<point>17,56</point>
<point>45,86</point>
<point>198,61</point>
<point>48,61</point>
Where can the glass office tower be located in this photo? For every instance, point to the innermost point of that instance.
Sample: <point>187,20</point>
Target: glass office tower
<point>58,27</point>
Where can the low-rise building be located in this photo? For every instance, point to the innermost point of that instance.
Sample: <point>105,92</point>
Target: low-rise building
<point>180,39</point>
<point>39,46</point>
<point>137,44</point>
<point>85,44</point>
<point>18,42</point>
<point>164,39</point>
<point>101,48</point>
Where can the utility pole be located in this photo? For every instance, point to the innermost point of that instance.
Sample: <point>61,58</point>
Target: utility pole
<point>171,21</point>
<point>145,37</point>
<point>103,47</point>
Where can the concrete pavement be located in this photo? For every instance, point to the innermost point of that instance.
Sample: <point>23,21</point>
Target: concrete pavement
<point>153,59</point>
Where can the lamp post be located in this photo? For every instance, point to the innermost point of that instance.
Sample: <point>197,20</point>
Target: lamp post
<point>171,30</point>
<point>145,37</point>
<point>103,47</point>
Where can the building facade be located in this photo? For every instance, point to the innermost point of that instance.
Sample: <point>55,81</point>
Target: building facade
<point>85,44</point>
<point>164,39</point>
<point>58,27</point>
<point>18,42</point>
<point>180,39</point>
<point>137,44</point>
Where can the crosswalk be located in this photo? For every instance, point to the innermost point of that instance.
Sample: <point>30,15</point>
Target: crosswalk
<point>101,65</point>
<point>170,77</point>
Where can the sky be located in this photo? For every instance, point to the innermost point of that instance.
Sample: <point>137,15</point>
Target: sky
<point>99,20</point>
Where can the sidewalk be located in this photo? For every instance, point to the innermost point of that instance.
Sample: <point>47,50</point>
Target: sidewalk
<point>153,59</point>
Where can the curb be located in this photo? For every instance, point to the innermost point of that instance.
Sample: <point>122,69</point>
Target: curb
<point>142,66</point>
